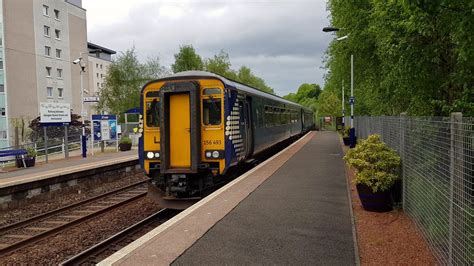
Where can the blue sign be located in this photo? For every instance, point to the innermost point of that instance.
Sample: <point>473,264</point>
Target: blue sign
<point>104,127</point>
<point>352,100</point>
<point>54,124</point>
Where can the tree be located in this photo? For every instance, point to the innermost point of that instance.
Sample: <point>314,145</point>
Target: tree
<point>124,79</point>
<point>245,75</point>
<point>220,64</point>
<point>74,129</point>
<point>307,95</point>
<point>187,59</point>
<point>328,104</point>
<point>410,56</point>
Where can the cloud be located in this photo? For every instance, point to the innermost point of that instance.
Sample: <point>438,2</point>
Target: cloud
<point>280,40</point>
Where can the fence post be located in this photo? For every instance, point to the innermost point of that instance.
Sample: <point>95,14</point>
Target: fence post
<point>45,144</point>
<point>402,130</point>
<point>66,143</point>
<point>456,119</point>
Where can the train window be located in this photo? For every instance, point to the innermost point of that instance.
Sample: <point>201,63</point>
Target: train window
<point>153,113</point>
<point>211,91</point>
<point>153,94</point>
<point>211,109</point>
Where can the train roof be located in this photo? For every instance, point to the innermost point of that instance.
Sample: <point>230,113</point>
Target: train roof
<point>228,82</point>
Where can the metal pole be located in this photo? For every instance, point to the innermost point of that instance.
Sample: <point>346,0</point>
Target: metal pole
<point>352,130</point>
<point>66,143</point>
<point>83,137</point>
<point>45,144</point>
<point>343,109</point>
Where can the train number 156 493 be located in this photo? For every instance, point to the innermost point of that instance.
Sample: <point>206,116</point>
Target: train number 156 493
<point>212,142</point>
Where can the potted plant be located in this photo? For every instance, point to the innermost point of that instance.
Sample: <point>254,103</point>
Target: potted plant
<point>345,136</point>
<point>29,158</point>
<point>125,143</point>
<point>377,168</point>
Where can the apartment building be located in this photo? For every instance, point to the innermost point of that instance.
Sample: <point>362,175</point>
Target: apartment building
<point>39,40</point>
<point>100,59</point>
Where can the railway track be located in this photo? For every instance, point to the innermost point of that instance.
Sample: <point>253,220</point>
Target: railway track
<point>24,233</point>
<point>102,250</point>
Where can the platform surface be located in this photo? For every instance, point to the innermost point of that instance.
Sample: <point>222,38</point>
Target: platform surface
<point>292,210</point>
<point>63,166</point>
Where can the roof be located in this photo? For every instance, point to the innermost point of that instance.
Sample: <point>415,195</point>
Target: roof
<point>98,47</point>
<point>228,82</point>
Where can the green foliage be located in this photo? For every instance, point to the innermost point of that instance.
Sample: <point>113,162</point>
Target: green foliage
<point>409,56</point>
<point>329,104</point>
<point>307,95</point>
<point>125,140</point>
<point>187,59</point>
<point>74,129</point>
<point>376,164</point>
<point>124,80</point>
<point>31,152</point>
<point>246,76</point>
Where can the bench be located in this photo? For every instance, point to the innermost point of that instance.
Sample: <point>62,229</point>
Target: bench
<point>19,153</point>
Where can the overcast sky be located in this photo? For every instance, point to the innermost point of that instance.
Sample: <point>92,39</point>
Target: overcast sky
<point>280,40</point>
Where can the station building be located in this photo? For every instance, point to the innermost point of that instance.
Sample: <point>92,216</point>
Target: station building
<point>39,40</point>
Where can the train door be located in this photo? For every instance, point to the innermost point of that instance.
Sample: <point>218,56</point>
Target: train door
<point>180,133</point>
<point>248,127</point>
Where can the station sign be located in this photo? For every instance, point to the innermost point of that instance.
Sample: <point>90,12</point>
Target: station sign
<point>352,100</point>
<point>55,113</point>
<point>91,99</point>
<point>104,127</point>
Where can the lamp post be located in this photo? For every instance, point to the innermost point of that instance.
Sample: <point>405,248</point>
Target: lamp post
<point>352,137</point>
<point>83,136</point>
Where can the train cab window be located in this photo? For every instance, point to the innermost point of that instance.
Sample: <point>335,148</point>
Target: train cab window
<point>211,91</point>
<point>153,113</point>
<point>211,112</point>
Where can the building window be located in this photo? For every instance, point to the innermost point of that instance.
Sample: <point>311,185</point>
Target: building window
<point>100,66</point>
<point>46,30</point>
<point>49,92</point>
<point>48,71</point>
<point>98,85</point>
<point>1,63</point>
<point>47,51</point>
<point>102,75</point>
<point>60,73</point>
<point>2,111</point>
<point>60,92</point>
<point>45,10</point>
<point>56,14</point>
<point>1,41</point>
<point>97,74</point>
<point>3,134</point>
<point>58,53</point>
<point>57,33</point>
<point>2,88</point>
<point>97,65</point>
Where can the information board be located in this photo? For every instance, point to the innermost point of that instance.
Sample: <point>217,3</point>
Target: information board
<point>104,127</point>
<point>55,113</point>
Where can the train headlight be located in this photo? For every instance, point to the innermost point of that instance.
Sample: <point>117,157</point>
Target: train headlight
<point>150,155</point>
<point>215,154</point>
<point>157,155</point>
<point>208,154</point>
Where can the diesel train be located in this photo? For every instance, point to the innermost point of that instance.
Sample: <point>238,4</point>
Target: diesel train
<point>197,125</point>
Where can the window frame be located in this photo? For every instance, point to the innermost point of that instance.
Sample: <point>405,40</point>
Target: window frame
<point>219,97</point>
<point>61,93</point>
<point>145,117</point>
<point>47,51</point>
<point>46,30</point>
<point>49,89</point>
<point>48,71</point>
<point>58,52</point>
<point>56,14</point>
<point>57,34</point>
<point>59,73</point>
<point>45,10</point>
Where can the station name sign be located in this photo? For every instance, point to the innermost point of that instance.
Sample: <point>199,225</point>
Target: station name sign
<point>55,112</point>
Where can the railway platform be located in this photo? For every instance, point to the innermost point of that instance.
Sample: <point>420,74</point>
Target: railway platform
<point>63,167</point>
<point>292,209</point>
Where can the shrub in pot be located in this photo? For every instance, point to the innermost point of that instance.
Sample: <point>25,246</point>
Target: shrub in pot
<point>377,167</point>
<point>29,159</point>
<point>125,143</point>
<point>345,136</point>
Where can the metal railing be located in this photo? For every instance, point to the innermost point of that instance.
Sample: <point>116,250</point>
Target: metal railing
<point>438,177</point>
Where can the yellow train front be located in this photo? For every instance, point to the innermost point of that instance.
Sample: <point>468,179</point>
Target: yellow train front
<point>196,125</point>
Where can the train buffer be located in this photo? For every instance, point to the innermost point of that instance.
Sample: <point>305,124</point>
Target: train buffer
<point>291,209</point>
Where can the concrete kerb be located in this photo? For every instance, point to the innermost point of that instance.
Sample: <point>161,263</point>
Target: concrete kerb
<point>349,198</point>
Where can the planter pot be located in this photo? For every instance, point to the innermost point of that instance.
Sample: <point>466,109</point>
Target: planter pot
<point>29,162</point>
<point>374,202</point>
<point>125,147</point>
<point>346,140</point>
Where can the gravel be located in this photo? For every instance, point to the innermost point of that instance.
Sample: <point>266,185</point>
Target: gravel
<point>72,241</point>
<point>389,238</point>
<point>41,205</point>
